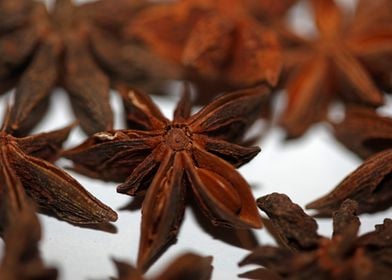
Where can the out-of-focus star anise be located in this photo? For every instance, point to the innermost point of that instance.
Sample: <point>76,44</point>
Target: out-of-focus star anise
<point>25,162</point>
<point>219,44</point>
<point>187,266</point>
<point>169,160</point>
<point>269,11</point>
<point>370,185</point>
<point>22,259</point>
<point>304,254</point>
<point>364,131</point>
<point>42,49</point>
<point>338,62</point>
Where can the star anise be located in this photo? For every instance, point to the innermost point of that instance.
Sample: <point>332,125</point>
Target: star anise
<point>304,254</point>
<point>370,185</point>
<point>168,160</point>
<point>24,161</point>
<point>219,44</point>
<point>187,266</point>
<point>22,260</point>
<point>53,48</point>
<point>364,131</point>
<point>337,63</point>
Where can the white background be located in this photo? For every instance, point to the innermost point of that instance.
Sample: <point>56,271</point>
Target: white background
<point>303,169</point>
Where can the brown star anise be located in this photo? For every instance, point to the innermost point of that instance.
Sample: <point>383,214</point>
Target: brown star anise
<point>304,254</point>
<point>340,60</point>
<point>187,266</point>
<point>21,258</point>
<point>42,49</point>
<point>219,44</point>
<point>168,160</point>
<point>364,131</point>
<point>370,185</point>
<point>24,161</point>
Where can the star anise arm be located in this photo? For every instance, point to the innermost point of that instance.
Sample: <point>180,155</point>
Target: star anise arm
<point>294,228</point>
<point>162,210</point>
<point>32,93</point>
<point>188,266</point>
<point>229,116</point>
<point>87,85</point>
<point>47,145</point>
<point>369,185</point>
<point>126,271</point>
<point>364,131</point>
<point>14,14</point>
<point>184,106</point>
<point>141,111</point>
<point>237,155</point>
<point>221,192</point>
<point>328,17</point>
<point>56,191</point>
<point>307,99</point>
<point>112,155</point>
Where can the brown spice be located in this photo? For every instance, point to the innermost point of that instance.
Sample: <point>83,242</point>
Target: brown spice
<point>344,256</point>
<point>168,159</point>
<point>339,61</point>
<point>370,185</point>
<point>24,161</point>
<point>187,266</point>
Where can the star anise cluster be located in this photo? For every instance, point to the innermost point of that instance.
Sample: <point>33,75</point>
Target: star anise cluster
<point>304,254</point>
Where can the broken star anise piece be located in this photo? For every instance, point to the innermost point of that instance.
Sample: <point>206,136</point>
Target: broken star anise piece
<point>364,131</point>
<point>170,160</point>
<point>45,49</point>
<point>187,266</point>
<point>306,255</point>
<point>370,185</point>
<point>24,161</point>
<point>219,44</point>
<point>320,69</point>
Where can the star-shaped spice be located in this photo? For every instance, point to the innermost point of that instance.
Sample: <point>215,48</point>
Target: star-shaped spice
<point>219,44</point>
<point>42,49</point>
<point>22,258</point>
<point>304,254</point>
<point>170,160</point>
<point>24,161</point>
<point>370,185</point>
<point>187,266</point>
<point>338,62</point>
<point>364,131</point>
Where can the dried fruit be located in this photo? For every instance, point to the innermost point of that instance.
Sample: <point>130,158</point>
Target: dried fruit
<point>306,255</point>
<point>320,69</point>
<point>168,160</point>
<point>24,162</point>
<point>370,185</point>
<point>187,266</point>
<point>364,132</point>
<point>219,44</point>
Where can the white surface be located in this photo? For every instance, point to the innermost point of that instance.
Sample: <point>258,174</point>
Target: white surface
<point>303,169</point>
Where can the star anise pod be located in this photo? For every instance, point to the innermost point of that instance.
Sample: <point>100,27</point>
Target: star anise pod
<point>21,259</point>
<point>370,185</point>
<point>364,131</point>
<point>25,161</point>
<point>55,48</point>
<point>303,254</point>
<point>219,44</point>
<point>169,160</point>
<point>332,65</point>
<point>187,266</point>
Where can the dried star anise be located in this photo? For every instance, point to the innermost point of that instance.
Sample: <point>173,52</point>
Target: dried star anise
<point>187,266</point>
<point>25,161</point>
<point>168,160</point>
<point>339,62</point>
<point>42,49</point>
<point>219,44</point>
<point>364,131</point>
<point>370,185</point>
<point>304,254</point>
